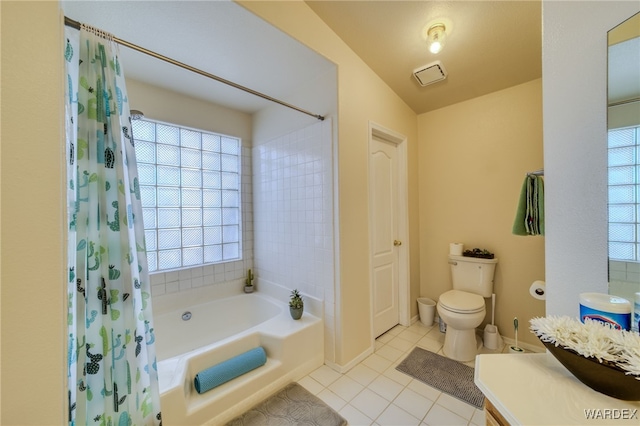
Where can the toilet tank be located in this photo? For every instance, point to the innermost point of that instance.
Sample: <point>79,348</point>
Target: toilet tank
<point>473,274</point>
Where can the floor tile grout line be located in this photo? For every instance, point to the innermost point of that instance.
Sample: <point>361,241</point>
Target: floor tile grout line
<point>394,365</point>
<point>382,374</point>
<point>378,346</point>
<point>440,395</point>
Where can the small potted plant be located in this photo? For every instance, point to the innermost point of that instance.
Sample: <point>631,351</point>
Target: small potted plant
<point>296,304</point>
<point>248,283</point>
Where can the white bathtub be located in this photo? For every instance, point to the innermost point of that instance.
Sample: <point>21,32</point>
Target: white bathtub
<point>210,322</point>
<point>219,330</point>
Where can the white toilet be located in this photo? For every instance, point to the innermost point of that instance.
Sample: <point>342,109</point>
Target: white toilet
<point>462,308</point>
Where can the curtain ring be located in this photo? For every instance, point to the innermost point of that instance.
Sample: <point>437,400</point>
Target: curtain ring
<point>96,31</point>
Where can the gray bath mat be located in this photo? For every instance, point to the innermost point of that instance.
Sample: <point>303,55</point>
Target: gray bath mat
<point>442,373</point>
<point>293,405</point>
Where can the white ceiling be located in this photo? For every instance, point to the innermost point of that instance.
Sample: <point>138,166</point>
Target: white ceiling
<point>218,37</point>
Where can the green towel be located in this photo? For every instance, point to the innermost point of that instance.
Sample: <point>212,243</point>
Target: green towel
<point>541,205</point>
<point>530,213</point>
<point>518,224</point>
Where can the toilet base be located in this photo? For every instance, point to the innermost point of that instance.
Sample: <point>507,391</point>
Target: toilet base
<point>461,345</point>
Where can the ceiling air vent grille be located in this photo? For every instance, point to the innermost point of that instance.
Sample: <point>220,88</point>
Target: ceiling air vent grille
<point>430,73</point>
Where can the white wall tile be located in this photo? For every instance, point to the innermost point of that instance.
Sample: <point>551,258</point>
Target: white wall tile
<point>173,287</point>
<point>158,290</point>
<point>633,267</point>
<point>157,279</point>
<point>293,212</point>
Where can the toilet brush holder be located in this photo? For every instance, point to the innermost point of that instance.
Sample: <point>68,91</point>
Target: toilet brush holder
<point>515,349</point>
<point>492,339</point>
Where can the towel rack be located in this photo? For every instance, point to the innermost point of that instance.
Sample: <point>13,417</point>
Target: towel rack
<point>536,173</point>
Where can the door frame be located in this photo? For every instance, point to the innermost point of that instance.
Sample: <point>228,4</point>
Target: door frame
<point>381,133</point>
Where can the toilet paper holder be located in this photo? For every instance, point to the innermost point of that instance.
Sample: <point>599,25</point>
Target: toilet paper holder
<point>538,290</point>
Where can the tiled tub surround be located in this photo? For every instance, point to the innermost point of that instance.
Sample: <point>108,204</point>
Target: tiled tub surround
<point>221,274</point>
<point>624,279</point>
<point>225,323</point>
<point>287,222</point>
<point>288,243</point>
<point>293,216</point>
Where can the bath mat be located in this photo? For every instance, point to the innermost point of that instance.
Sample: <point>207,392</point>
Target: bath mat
<point>442,373</point>
<point>293,405</point>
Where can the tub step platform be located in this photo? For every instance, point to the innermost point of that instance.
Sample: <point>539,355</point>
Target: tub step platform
<point>225,394</point>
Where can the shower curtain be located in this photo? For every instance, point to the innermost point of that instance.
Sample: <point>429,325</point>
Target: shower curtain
<point>112,377</point>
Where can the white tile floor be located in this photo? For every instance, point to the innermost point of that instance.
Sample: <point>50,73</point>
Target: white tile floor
<point>375,393</point>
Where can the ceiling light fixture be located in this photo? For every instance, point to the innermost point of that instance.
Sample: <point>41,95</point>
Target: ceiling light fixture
<point>436,37</point>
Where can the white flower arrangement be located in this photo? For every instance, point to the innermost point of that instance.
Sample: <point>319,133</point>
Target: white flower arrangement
<point>591,339</point>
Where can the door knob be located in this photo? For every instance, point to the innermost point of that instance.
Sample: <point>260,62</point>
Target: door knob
<point>397,243</point>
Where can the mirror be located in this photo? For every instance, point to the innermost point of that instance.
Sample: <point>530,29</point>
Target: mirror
<point>623,122</point>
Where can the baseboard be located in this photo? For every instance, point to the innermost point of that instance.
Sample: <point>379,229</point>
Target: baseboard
<point>528,347</point>
<point>344,368</point>
<point>414,319</point>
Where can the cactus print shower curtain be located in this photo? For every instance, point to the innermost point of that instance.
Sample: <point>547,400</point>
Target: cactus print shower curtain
<point>112,367</point>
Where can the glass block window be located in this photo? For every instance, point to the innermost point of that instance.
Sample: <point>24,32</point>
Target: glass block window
<point>624,194</point>
<point>190,191</point>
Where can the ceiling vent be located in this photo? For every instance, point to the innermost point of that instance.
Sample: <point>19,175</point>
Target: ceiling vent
<point>430,73</point>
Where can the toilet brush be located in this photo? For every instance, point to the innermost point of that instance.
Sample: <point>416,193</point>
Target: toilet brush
<point>493,308</point>
<point>515,348</point>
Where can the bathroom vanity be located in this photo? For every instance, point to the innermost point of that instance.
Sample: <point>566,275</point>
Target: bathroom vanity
<point>535,389</point>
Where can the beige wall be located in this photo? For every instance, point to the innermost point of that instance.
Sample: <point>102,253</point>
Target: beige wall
<point>362,96</point>
<point>165,105</point>
<point>473,159</point>
<point>33,216</point>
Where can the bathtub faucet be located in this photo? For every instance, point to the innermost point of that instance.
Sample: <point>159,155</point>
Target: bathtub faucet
<point>249,280</point>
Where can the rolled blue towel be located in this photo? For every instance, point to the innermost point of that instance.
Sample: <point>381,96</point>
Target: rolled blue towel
<point>221,373</point>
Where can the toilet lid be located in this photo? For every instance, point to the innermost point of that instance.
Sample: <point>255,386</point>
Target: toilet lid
<point>461,302</point>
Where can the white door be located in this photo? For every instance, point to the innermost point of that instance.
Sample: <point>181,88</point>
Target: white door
<point>383,192</point>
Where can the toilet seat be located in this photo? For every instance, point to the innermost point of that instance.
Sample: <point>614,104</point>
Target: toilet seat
<point>461,302</point>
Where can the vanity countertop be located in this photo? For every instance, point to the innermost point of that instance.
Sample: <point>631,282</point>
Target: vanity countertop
<point>535,389</point>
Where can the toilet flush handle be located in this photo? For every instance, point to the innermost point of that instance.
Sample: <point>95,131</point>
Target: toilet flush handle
<point>453,262</point>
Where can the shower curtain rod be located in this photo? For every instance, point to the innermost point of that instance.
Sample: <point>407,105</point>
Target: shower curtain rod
<point>628,101</point>
<point>75,24</point>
